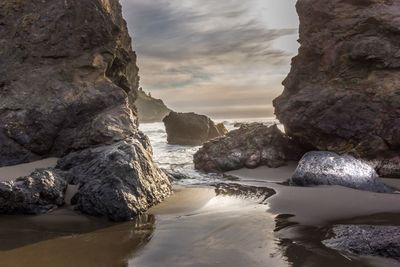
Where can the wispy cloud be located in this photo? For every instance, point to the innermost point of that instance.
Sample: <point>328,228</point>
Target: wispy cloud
<point>207,45</point>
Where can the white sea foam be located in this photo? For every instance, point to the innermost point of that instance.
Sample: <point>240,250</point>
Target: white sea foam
<point>179,159</point>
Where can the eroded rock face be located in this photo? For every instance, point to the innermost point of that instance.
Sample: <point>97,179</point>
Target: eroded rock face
<point>118,181</point>
<point>366,240</point>
<point>250,146</point>
<point>191,128</point>
<point>343,91</point>
<point>328,168</point>
<point>38,193</point>
<point>65,69</point>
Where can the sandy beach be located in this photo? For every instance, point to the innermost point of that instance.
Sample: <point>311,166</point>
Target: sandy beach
<point>198,227</point>
<point>13,172</point>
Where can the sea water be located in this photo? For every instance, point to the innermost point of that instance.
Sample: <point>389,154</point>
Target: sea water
<point>178,159</point>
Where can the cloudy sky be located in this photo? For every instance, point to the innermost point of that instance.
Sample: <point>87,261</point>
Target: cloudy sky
<point>226,59</point>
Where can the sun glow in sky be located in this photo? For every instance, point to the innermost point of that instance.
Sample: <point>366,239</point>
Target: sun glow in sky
<point>225,59</point>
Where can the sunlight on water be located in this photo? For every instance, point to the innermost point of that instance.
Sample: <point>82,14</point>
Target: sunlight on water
<point>179,159</point>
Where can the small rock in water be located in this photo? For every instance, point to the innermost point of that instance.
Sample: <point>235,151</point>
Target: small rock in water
<point>191,129</point>
<point>328,168</point>
<point>366,240</point>
<point>38,193</point>
<point>244,191</point>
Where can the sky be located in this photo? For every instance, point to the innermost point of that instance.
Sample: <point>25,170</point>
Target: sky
<point>225,59</point>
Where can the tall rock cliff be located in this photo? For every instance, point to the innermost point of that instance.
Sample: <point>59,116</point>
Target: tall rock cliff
<point>66,69</point>
<point>343,91</point>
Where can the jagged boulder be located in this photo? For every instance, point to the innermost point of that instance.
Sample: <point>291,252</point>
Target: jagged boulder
<point>366,240</point>
<point>249,146</point>
<point>65,69</point>
<point>191,128</point>
<point>118,181</point>
<point>38,193</point>
<point>329,168</point>
<point>342,93</point>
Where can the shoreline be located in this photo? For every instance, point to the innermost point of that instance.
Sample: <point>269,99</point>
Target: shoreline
<point>190,222</point>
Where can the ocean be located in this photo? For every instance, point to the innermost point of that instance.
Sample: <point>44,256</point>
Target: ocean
<point>179,159</point>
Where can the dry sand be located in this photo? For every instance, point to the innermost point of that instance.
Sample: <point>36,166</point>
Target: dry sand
<point>12,172</point>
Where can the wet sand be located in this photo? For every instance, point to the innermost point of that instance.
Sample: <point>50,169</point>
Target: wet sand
<point>197,227</point>
<point>226,231</point>
<point>71,240</point>
<point>305,215</point>
<point>318,205</point>
<point>184,200</point>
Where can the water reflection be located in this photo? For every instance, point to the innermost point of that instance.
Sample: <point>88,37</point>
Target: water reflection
<point>231,229</point>
<point>301,245</point>
<point>51,243</point>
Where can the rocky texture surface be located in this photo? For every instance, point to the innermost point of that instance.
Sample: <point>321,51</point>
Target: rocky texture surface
<point>191,128</point>
<point>67,75</point>
<point>250,146</point>
<point>40,192</point>
<point>150,109</point>
<point>65,69</point>
<point>244,191</point>
<point>366,240</point>
<point>328,168</point>
<point>342,93</point>
<point>118,181</point>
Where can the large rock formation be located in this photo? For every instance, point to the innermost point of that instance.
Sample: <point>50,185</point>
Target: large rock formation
<point>250,146</point>
<point>328,168</point>
<point>150,109</point>
<point>191,128</point>
<point>343,91</point>
<point>66,69</point>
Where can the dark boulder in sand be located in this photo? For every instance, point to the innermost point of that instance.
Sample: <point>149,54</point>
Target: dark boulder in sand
<point>342,93</point>
<point>250,146</point>
<point>191,128</point>
<point>38,193</point>
<point>118,181</point>
<point>366,240</point>
<point>328,168</point>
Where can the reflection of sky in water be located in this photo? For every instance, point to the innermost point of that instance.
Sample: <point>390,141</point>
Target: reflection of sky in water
<point>227,231</point>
